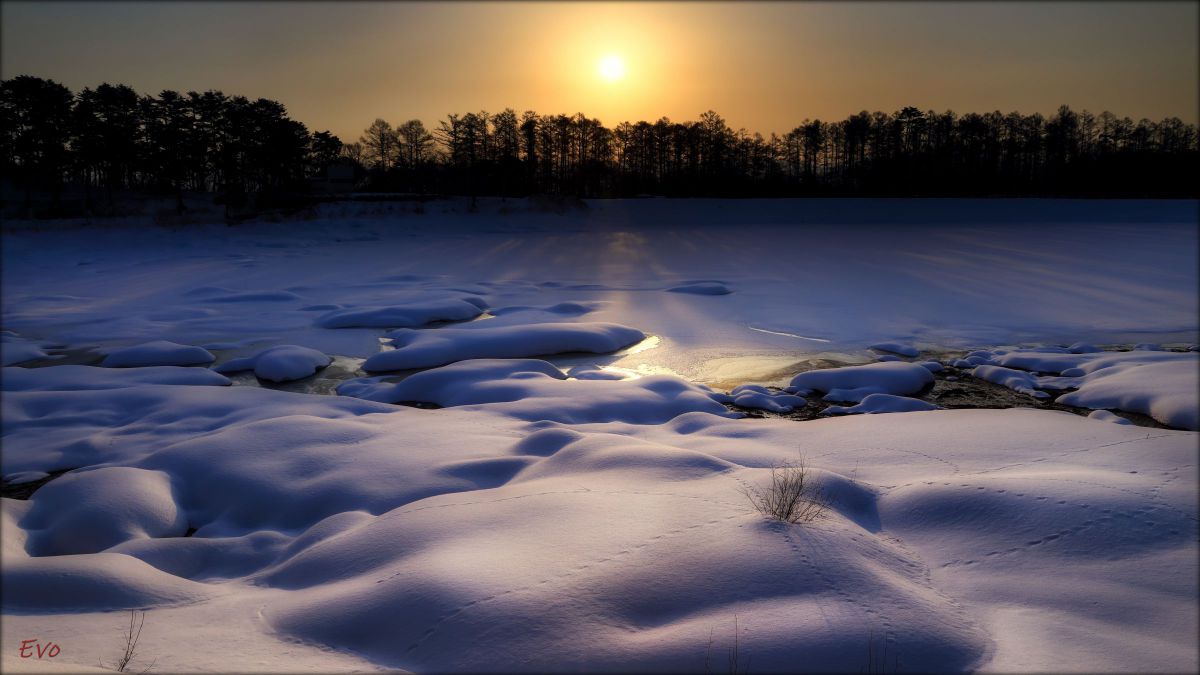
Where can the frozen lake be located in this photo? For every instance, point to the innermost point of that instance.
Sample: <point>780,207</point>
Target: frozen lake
<point>574,497</point>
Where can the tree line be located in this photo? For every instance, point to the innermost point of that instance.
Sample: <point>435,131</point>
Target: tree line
<point>110,138</point>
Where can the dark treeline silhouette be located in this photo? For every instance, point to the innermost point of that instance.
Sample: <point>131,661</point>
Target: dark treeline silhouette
<point>250,154</point>
<point>109,139</point>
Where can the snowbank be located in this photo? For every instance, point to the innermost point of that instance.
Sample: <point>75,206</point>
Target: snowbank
<point>157,353</point>
<point>279,364</point>
<point>428,348</point>
<point>854,383</point>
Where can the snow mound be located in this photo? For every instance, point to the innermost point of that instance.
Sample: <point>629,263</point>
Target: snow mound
<point>97,582</point>
<point>536,390</point>
<point>1108,416</point>
<point>1168,391</point>
<point>255,296</point>
<point>1163,385</point>
<point>16,349</point>
<point>407,315</point>
<point>492,580</point>
<point>882,403</point>
<point>283,363</point>
<point>157,353</point>
<point>47,429</point>
<point>1016,380</point>
<point>854,383</point>
<point>761,398</point>
<point>896,348</point>
<point>429,348</point>
<point>702,288</point>
<point>90,511</point>
<point>932,366</point>
<point>593,372</point>
<point>81,378</point>
<point>561,309</point>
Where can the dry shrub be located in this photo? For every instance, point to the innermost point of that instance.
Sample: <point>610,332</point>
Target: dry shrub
<point>792,496</point>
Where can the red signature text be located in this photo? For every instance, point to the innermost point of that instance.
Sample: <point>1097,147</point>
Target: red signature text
<point>31,648</point>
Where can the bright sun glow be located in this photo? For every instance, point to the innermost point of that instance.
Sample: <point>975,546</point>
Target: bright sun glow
<point>611,68</point>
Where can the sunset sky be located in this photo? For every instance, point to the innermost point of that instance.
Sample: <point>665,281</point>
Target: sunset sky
<point>763,66</point>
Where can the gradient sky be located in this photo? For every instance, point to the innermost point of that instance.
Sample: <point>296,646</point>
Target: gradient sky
<point>763,66</point>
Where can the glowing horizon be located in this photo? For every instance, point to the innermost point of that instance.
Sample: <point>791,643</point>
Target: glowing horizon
<point>765,67</point>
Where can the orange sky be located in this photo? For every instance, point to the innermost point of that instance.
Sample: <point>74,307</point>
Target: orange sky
<point>763,66</point>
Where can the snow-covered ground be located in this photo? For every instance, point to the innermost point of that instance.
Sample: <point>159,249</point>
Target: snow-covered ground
<point>587,511</point>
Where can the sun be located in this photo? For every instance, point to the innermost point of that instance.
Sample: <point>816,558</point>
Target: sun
<point>611,68</point>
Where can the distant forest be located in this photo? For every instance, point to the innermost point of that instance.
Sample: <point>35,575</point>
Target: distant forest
<point>111,139</point>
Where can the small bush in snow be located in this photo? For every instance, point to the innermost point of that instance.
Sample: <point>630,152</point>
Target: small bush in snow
<point>792,496</point>
<point>131,637</point>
